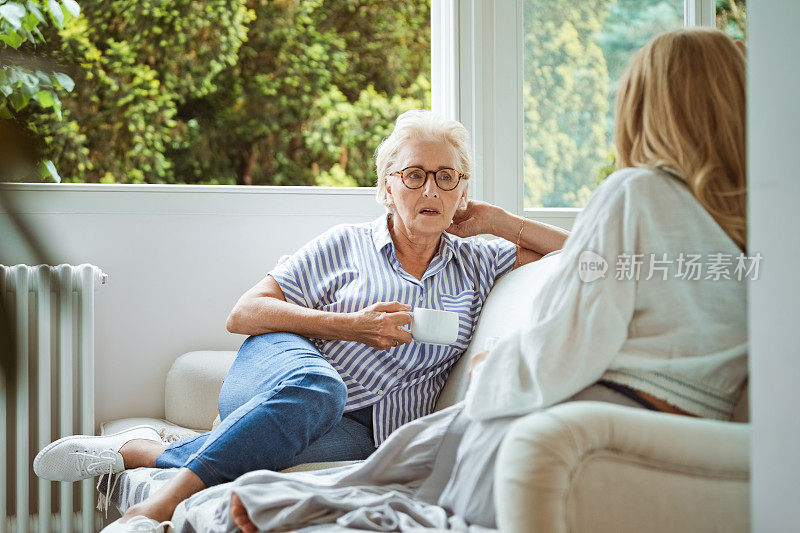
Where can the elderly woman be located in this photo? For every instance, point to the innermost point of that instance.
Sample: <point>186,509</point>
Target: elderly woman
<point>329,369</point>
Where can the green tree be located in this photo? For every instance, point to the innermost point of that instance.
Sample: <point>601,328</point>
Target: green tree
<point>346,134</point>
<point>574,59</point>
<point>235,91</point>
<point>23,77</point>
<point>290,110</point>
<point>139,61</point>
<point>566,100</point>
<point>279,92</point>
<point>731,18</point>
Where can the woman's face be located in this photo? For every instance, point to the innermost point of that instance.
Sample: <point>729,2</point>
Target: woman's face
<point>427,210</point>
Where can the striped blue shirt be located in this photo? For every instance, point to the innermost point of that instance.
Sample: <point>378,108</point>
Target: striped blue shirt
<point>352,266</point>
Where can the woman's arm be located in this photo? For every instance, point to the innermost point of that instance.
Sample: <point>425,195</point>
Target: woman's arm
<point>536,240</point>
<point>264,309</point>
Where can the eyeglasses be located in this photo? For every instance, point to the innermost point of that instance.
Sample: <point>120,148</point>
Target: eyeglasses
<point>446,179</point>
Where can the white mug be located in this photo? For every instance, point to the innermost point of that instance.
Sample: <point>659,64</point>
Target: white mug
<point>434,326</point>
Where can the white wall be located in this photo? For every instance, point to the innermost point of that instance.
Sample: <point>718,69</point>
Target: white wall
<point>177,258</point>
<point>774,174</point>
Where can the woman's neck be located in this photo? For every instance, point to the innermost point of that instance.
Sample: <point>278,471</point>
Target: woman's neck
<point>413,251</point>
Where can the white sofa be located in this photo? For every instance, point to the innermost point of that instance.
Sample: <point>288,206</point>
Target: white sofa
<point>578,467</point>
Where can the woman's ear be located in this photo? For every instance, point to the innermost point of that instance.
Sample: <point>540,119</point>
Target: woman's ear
<point>462,203</point>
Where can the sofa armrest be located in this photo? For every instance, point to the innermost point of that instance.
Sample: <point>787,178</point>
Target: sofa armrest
<point>592,466</point>
<point>191,392</point>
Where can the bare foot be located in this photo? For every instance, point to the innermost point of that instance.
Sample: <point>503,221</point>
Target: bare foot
<point>158,511</point>
<point>161,505</point>
<point>240,517</point>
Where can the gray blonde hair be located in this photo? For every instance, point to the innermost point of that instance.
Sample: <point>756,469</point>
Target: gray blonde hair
<point>682,104</point>
<point>426,126</point>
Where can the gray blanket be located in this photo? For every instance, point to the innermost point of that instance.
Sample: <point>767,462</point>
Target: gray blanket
<point>395,489</point>
<point>433,473</point>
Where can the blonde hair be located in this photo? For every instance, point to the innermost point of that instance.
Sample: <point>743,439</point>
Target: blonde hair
<point>681,104</point>
<point>425,126</point>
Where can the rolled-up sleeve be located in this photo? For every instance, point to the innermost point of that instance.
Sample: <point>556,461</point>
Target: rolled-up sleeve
<point>494,258</point>
<point>307,277</point>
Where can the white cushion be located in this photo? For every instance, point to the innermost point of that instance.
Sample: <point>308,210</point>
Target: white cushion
<point>192,388</point>
<point>169,432</point>
<point>506,309</point>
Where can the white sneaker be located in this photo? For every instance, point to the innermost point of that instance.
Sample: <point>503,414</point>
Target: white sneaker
<point>139,524</point>
<point>84,456</point>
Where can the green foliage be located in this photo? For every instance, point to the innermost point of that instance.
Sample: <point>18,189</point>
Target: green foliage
<point>21,24</point>
<point>304,83</point>
<point>300,92</point>
<point>350,132</point>
<point>573,59</point>
<point>235,91</point>
<point>139,61</point>
<point>566,101</point>
<point>24,80</point>
<point>731,15</point>
<point>609,167</point>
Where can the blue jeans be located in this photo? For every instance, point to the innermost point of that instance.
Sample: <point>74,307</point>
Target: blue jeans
<point>281,404</point>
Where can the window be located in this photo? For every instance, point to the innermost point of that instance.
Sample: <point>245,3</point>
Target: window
<point>255,93</point>
<point>573,55</point>
<point>731,18</point>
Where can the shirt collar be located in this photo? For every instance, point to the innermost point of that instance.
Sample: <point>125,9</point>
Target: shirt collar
<point>380,232</point>
<point>382,238</point>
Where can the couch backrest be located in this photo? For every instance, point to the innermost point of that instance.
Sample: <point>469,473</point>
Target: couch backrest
<point>506,309</point>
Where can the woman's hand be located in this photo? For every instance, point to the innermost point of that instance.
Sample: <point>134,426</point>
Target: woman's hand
<point>477,219</point>
<point>477,358</point>
<point>378,325</point>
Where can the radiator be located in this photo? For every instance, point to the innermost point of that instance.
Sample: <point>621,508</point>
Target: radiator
<point>52,313</point>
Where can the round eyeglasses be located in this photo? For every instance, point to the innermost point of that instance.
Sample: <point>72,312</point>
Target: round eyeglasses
<point>446,179</point>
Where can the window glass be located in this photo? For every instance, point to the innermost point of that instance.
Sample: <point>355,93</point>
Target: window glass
<point>574,54</point>
<point>256,92</point>
<point>731,18</point>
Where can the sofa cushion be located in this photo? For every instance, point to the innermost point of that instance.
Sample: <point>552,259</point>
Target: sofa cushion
<point>168,431</point>
<point>507,308</point>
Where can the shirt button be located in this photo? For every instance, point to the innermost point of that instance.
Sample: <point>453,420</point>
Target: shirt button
<point>380,392</point>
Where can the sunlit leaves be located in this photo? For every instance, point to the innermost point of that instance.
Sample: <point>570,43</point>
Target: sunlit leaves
<point>226,91</point>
